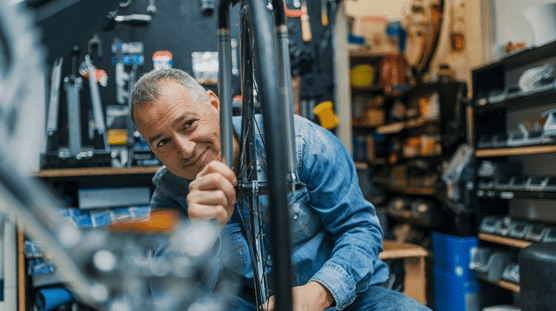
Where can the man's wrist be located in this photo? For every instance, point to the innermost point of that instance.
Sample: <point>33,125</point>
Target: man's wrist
<point>322,294</point>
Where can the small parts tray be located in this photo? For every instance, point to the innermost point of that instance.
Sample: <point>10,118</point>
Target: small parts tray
<point>489,263</point>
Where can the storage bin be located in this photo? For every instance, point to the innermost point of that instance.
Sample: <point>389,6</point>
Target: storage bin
<point>489,263</point>
<point>455,293</point>
<point>453,254</point>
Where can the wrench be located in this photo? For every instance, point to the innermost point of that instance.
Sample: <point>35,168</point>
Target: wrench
<point>151,8</point>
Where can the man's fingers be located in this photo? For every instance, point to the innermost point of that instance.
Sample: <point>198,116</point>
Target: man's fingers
<point>215,185</point>
<point>212,197</point>
<point>221,168</point>
<point>218,212</point>
<point>268,305</point>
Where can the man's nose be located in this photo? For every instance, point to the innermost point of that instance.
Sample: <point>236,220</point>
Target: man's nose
<point>185,146</point>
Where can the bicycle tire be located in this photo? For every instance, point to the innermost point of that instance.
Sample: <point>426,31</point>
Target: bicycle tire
<point>257,46</point>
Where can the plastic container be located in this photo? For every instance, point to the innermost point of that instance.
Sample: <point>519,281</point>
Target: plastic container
<point>453,254</point>
<point>454,293</point>
<point>489,263</point>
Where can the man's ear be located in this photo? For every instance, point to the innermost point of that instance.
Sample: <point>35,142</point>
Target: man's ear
<point>213,100</point>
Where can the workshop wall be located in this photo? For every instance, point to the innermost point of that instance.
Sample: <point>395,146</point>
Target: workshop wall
<point>180,27</point>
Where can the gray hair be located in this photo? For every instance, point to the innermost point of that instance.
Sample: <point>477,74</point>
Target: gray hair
<point>147,90</point>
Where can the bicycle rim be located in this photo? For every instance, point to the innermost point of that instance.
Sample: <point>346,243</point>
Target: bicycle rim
<point>249,179</point>
<point>258,51</point>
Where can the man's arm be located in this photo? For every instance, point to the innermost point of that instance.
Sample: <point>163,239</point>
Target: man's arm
<point>332,182</point>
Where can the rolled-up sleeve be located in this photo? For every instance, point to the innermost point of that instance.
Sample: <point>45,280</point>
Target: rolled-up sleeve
<point>333,185</point>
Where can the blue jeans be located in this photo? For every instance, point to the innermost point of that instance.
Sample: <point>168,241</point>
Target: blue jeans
<point>377,298</point>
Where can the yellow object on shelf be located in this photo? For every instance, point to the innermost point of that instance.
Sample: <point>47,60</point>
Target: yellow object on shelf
<point>326,115</point>
<point>116,136</point>
<point>362,76</point>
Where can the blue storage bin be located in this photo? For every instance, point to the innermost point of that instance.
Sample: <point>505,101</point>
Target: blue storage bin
<point>455,293</point>
<point>453,254</point>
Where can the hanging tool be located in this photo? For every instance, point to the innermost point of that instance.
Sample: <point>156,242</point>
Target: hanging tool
<point>129,54</point>
<point>125,53</point>
<point>324,12</point>
<point>305,25</point>
<point>303,15</point>
<point>208,6</point>
<point>52,142</point>
<point>125,4</point>
<point>134,19</point>
<point>151,8</point>
<point>94,42</point>
<point>74,155</point>
<point>72,86</point>
<point>100,140</point>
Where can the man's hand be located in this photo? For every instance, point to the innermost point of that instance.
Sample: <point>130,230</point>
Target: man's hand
<point>312,296</point>
<point>212,194</point>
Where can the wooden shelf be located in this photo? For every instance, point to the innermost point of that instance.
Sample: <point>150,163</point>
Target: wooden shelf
<point>396,250</point>
<point>502,152</point>
<point>420,122</point>
<point>503,240</point>
<point>362,52</point>
<point>510,194</point>
<point>410,190</point>
<point>364,127</point>
<point>363,165</point>
<point>396,127</point>
<point>392,128</point>
<point>543,96</point>
<point>505,284</point>
<point>97,171</point>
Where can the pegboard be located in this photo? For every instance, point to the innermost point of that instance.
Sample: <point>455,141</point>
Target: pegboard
<point>179,27</point>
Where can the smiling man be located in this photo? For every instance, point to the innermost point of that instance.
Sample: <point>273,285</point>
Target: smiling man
<point>336,236</point>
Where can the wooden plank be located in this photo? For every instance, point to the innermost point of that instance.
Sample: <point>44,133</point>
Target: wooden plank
<point>501,152</point>
<point>21,294</point>
<point>503,240</point>
<point>505,284</point>
<point>411,190</point>
<point>415,279</point>
<point>97,171</point>
<point>414,266</point>
<point>363,52</point>
<point>397,250</point>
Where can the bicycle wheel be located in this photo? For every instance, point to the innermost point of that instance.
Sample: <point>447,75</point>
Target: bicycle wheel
<point>262,169</point>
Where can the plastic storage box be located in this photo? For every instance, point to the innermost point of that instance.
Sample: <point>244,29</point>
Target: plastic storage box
<point>455,293</point>
<point>453,254</point>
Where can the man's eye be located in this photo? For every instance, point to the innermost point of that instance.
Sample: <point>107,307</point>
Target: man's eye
<point>188,124</point>
<point>161,143</point>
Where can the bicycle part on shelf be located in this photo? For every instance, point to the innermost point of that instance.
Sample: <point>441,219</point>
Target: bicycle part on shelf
<point>549,127</point>
<point>75,155</point>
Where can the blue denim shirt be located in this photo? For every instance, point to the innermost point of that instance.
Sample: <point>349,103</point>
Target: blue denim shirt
<point>335,232</point>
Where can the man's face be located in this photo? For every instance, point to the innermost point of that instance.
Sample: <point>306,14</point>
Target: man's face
<point>182,132</point>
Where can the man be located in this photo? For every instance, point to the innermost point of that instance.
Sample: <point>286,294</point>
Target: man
<point>336,235</point>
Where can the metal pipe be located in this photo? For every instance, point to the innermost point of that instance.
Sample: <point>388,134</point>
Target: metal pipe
<point>285,86</point>
<point>225,84</point>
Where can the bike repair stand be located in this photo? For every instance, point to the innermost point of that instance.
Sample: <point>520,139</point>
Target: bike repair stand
<point>74,155</point>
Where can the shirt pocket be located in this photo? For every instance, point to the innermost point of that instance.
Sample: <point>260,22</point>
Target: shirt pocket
<point>303,219</point>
